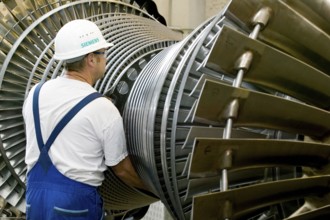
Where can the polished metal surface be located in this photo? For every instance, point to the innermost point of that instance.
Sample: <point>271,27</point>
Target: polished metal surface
<point>215,132</point>
<point>319,213</point>
<point>209,155</point>
<point>211,184</point>
<point>270,68</point>
<point>289,30</point>
<point>260,110</point>
<point>254,78</point>
<point>238,203</point>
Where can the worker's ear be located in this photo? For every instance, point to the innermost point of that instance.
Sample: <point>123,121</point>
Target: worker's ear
<point>90,59</point>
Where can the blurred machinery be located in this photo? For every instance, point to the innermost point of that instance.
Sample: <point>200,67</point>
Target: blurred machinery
<point>231,122</point>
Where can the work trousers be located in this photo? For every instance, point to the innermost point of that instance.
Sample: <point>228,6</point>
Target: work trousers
<point>52,196</point>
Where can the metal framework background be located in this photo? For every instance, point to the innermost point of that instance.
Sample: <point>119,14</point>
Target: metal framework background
<point>229,122</point>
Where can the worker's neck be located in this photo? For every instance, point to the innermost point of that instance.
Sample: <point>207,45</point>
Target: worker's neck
<point>79,76</point>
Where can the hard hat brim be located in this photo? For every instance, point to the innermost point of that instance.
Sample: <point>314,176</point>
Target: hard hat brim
<point>74,54</point>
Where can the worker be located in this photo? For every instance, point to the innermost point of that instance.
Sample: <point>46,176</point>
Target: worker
<point>73,133</point>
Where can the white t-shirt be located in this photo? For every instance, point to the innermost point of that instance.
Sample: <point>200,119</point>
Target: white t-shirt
<point>92,139</point>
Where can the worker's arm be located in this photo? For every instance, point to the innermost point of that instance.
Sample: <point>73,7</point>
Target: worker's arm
<point>126,172</point>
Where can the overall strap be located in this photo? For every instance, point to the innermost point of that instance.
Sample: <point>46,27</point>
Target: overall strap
<point>44,158</point>
<point>36,115</point>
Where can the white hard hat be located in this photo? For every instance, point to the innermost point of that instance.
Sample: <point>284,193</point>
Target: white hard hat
<point>77,38</point>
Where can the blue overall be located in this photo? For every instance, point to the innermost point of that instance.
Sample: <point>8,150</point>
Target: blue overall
<point>51,195</point>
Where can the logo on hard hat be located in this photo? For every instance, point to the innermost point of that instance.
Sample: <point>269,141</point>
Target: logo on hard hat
<point>90,42</point>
